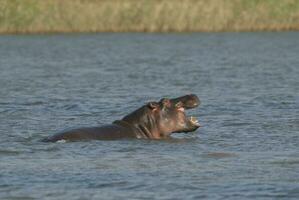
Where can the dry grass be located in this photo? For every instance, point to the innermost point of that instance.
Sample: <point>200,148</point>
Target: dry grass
<point>42,16</point>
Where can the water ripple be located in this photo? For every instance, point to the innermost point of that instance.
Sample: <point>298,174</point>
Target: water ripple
<point>246,149</point>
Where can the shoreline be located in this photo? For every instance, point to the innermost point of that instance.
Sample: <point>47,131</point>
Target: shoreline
<point>142,32</point>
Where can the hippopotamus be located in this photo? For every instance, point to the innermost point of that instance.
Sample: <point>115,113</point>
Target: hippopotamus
<point>154,120</point>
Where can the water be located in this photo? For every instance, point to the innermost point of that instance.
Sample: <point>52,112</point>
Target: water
<point>247,148</point>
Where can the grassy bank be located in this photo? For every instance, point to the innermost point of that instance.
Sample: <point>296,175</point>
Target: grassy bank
<point>42,16</point>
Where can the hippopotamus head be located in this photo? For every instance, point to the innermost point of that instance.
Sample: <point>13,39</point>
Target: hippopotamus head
<point>160,119</point>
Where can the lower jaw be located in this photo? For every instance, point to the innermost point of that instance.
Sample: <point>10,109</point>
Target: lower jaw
<point>187,130</point>
<point>193,127</point>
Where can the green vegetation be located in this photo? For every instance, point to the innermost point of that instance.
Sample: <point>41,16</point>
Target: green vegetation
<point>43,16</point>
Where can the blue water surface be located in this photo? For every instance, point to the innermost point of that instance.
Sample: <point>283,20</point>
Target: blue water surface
<point>247,147</point>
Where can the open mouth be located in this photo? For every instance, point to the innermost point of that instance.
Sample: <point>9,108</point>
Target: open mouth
<point>185,103</point>
<point>193,120</point>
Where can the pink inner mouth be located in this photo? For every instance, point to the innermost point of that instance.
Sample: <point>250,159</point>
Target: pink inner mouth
<point>181,109</point>
<point>192,119</point>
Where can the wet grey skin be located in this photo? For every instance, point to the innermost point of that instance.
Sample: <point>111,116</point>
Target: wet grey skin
<point>154,120</point>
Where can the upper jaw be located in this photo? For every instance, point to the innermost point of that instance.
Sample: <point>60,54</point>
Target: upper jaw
<point>191,122</point>
<point>188,101</point>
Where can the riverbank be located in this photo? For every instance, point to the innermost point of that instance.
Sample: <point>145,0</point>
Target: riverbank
<point>50,16</point>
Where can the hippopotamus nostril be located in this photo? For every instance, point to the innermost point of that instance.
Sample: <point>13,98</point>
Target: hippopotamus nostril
<point>195,99</point>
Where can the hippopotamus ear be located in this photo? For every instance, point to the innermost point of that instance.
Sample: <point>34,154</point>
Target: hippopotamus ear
<point>153,105</point>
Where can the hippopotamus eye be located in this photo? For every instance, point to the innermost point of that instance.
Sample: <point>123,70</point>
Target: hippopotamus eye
<point>179,104</point>
<point>166,102</point>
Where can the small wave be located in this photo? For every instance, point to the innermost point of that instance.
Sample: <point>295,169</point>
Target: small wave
<point>286,162</point>
<point>110,184</point>
<point>129,149</point>
<point>9,152</point>
<point>33,103</point>
<point>219,155</point>
<point>236,124</point>
<point>70,107</point>
<point>61,141</point>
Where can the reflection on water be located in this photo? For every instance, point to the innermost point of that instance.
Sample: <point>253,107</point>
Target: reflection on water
<point>247,148</point>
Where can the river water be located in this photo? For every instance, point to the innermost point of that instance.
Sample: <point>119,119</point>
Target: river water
<point>247,147</point>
